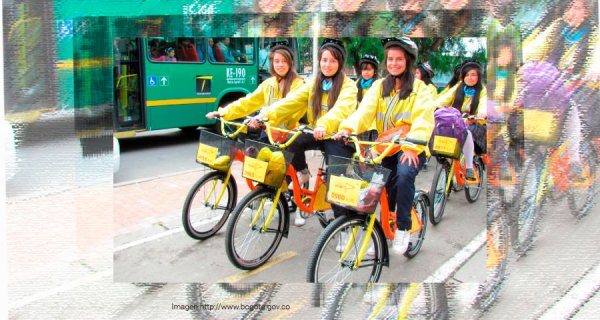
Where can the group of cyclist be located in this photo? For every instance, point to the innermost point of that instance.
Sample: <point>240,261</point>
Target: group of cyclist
<point>336,106</point>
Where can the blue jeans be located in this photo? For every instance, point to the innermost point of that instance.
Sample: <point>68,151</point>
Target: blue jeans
<point>401,187</point>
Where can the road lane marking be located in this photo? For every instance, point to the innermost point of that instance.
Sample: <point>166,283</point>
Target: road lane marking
<point>63,288</point>
<point>148,239</point>
<point>570,302</point>
<point>444,272</point>
<point>241,276</point>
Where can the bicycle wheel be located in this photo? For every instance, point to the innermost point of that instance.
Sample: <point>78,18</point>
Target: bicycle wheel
<point>248,246</point>
<point>582,194</point>
<point>325,264</point>
<point>497,256</point>
<point>438,192</point>
<point>524,221</point>
<point>202,217</point>
<point>421,205</point>
<point>472,191</point>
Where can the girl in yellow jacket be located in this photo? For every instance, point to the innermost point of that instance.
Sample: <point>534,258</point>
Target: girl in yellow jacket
<point>425,73</point>
<point>284,80</point>
<point>328,99</point>
<point>468,96</point>
<point>398,100</point>
<point>368,65</point>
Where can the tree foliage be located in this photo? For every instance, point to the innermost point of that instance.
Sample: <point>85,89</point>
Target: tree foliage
<point>441,53</point>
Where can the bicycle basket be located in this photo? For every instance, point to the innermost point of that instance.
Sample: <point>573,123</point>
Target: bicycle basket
<point>355,185</point>
<point>215,151</point>
<point>264,163</point>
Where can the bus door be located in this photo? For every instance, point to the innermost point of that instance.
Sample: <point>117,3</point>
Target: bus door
<point>128,89</point>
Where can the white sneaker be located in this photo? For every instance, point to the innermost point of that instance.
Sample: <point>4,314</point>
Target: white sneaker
<point>401,240</point>
<point>342,241</point>
<point>303,176</point>
<point>298,220</point>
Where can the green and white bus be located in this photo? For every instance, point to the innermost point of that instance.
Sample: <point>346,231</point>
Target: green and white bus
<point>153,93</point>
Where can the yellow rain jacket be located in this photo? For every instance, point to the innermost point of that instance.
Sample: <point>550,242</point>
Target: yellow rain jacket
<point>447,98</point>
<point>296,104</point>
<point>416,111</point>
<point>264,96</point>
<point>434,91</point>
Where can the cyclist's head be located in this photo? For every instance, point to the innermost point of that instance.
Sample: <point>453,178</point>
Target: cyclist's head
<point>400,55</point>
<point>281,58</point>
<point>424,72</point>
<point>470,73</point>
<point>368,60</point>
<point>332,57</point>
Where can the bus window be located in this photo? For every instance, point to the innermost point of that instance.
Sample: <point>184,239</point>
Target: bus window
<point>183,49</point>
<point>232,50</point>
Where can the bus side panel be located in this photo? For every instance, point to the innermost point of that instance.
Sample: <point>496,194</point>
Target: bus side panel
<point>180,94</point>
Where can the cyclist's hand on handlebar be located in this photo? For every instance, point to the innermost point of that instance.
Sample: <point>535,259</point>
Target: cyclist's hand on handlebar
<point>342,133</point>
<point>212,115</point>
<point>410,156</point>
<point>256,121</point>
<point>319,133</point>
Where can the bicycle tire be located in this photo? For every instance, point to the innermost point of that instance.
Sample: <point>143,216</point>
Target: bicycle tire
<point>246,239</point>
<point>473,191</point>
<point>328,240</point>
<point>578,208</point>
<point>524,220</point>
<point>190,224</point>
<point>421,204</point>
<point>497,257</point>
<point>438,192</point>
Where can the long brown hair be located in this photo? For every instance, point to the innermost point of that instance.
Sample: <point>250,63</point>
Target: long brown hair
<point>338,80</point>
<point>290,76</point>
<point>459,97</point>
<point>407,78</point>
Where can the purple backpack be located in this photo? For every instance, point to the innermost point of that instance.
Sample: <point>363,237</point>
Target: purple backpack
<point>448,123</point>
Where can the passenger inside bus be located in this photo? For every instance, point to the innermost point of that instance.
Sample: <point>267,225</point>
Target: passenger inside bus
<point>211,55</point>
<point>218,53</point>
<point>230,55</point>
<point>186,51</point>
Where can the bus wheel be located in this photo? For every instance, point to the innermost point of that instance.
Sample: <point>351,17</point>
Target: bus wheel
<point>190,131</point>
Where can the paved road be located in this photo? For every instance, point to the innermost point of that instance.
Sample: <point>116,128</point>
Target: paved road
<point>173,256</point>
<point>62,264</point>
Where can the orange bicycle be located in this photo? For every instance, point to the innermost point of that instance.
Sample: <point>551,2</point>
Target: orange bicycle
<point>340,252</point>
<point>258,225</point>
<point>450,175</point>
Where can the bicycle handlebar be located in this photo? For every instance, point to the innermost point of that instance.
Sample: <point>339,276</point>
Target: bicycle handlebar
<point>241,127</point>
<point>470,117</point>
<point>390,145</point>
<point>295,133</point>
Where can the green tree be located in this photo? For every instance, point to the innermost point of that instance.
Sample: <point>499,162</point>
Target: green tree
<point>357,47</point>
<point>443,54</point>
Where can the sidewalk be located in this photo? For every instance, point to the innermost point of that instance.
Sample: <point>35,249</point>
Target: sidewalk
<point>137,204</point>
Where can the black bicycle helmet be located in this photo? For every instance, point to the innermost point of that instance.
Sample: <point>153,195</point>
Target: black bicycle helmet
<point>335,43</point>
<point>403,42</point>
<point>280,44</point>
<point>471,63</point>
<point>371,59</point>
